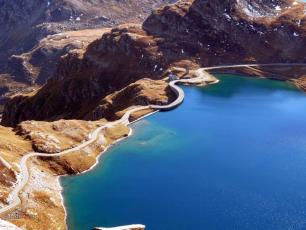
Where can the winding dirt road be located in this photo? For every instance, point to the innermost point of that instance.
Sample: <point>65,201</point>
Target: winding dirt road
<point>24,172</point>
<point>202,77</point>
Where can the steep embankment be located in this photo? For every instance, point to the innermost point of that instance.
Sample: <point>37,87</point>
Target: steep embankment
<point>188,33</point>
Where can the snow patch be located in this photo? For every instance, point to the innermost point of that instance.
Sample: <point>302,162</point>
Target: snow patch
<point>278,8</point>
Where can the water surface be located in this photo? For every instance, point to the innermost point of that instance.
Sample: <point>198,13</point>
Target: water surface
<point>231,157</point>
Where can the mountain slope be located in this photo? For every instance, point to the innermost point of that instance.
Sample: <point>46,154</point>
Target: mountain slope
<point>188,33</point>
<point>26,24</point>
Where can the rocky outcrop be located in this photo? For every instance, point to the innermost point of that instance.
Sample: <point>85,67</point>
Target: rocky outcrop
<point>188,33</point>
<point>28,58</point>
<point>52,137</point>
<point>91,76</point>
<point>234,31</point>
<point>142,92</point>
<point>25,22</point>
<point>37,65</point>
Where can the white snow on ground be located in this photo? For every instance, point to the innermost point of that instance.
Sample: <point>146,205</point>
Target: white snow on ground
<point>278,8</point>
<point>255,9</point>
<point>299,22</point>
<point>7,226</point>
<point>227,16</point>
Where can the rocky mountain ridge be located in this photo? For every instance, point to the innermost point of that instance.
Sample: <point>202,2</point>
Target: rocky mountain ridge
<point>25,22</point>
<point>188,33</point>
<point>25,25</point>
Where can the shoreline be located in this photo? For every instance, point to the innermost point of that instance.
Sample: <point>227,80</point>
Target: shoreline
<point>124,120</point>
<point>98,160</point>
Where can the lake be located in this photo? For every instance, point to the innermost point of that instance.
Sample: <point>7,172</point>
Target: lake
<point>232,156</point>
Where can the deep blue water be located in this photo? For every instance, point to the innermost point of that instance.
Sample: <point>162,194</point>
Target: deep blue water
<point>233,156</point>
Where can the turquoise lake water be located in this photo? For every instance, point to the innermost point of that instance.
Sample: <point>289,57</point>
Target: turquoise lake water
<point>233,156</point>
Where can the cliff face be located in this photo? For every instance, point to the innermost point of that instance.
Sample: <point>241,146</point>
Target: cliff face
<point>37,65</point>
<point>263,31</point>
<point>188,33</point>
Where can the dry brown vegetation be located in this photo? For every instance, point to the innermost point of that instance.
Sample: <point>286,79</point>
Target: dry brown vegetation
<point>42,204</point>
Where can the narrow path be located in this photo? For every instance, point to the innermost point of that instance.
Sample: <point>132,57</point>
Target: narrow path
<point>14,195</point>
<point>252,65</point>
<point>202,77</point>
<point>15,200</point>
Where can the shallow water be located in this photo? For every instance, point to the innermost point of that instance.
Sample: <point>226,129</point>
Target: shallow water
<point>231,157</point>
